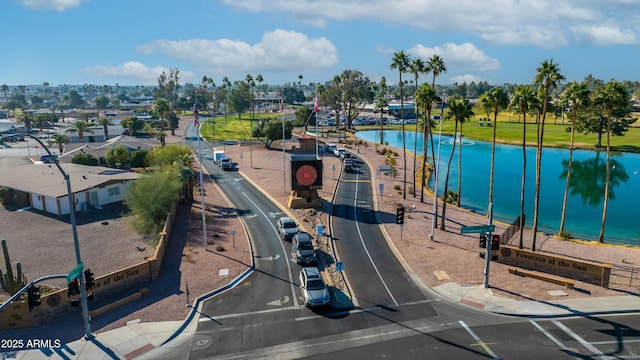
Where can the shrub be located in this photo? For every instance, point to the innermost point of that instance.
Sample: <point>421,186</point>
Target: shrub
<point>396,187</point>
<point>565,235</point>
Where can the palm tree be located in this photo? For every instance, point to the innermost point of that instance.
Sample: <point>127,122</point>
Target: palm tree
<point>382,103</point>
<point>547,77</point>
<point>259,79</point>
<point>105,122</point>
<point>416,67</point>
<point>523,100</point>
<point>460,110</point>
<point>435,66</point>
<point>161,107</point>
<point>161,135</point>
<point>497,99</point>
<point>425,97</point>
<point>576,96</point>
<point>80,127</point>
<point>401,61</point>
<point>60,140</point>
<point>614,96</point>
<point>300,82</point>
<point>5,90</point>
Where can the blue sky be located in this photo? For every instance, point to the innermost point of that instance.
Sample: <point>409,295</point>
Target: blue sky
<point>130,42</point>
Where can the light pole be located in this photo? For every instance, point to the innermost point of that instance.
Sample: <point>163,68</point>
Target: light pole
<point>72,216</point>
<point>435,168</point>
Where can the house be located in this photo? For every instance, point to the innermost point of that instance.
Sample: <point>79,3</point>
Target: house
<point>45,188</point>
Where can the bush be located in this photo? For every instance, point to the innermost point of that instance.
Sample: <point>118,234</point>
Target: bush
<point>85,159</point>
<point>565,235</point>
<point>396,187</point>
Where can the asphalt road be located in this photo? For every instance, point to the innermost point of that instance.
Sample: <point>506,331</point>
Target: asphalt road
<point>263,317</point>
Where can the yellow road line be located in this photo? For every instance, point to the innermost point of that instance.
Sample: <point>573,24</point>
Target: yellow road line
<point>356,181</point>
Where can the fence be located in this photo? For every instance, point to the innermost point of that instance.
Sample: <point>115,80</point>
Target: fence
<point>510,231</point>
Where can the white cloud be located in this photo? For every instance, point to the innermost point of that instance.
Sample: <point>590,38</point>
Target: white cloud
<point>137,72</point>
<point>57,5</point>
<point>464,57</point>
<point>542,23</point>
<point>278,51</point>
<point>461,79</point>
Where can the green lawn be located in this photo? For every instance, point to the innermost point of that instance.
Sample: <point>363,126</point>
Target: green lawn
<point>232,128</point>
<point>509,131</point>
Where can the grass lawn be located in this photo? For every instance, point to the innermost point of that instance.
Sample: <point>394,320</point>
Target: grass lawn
<point>509,131</point>
<point>232,128</point>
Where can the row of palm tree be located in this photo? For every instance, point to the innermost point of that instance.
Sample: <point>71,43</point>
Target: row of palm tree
<point>526,99</point>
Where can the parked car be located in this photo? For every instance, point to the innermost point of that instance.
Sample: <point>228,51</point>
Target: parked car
<point>287,227</point>
<point>46,158</point>
<point>302,249</point>
<point>313,288</point>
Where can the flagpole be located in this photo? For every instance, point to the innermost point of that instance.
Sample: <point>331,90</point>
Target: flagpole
<point>284,168</point>
<point>315,110</point>
<point>196,124</point>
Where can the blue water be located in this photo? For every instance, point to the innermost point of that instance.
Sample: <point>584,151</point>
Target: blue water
<point>584,205</point>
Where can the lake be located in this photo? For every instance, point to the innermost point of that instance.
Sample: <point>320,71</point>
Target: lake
<point>584,205</point>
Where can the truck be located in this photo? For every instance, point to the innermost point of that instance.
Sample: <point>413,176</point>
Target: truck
<point>227,165</point>
<point>217,155</point>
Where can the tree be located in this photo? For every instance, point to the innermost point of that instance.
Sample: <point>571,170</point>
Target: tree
<point>300,82</point>
<point>356,92</point>
<point>547,77</point>
<point>260,80</point>
<point>139,159</point>
<point>75,100</point>
<point>27,119</point>
<point>460,110</point>
<point>496,99</point>
<point>425,98</point>
<point>576,96</point>
<point>523,100</point>
<point>269,131</point>
<point>132,124</point>
<point>105,122</point>
<point>464,113</point>
<point>381,104</point>
<point>161,136</point>
<point>436,66</point>
<point>614,100</point>
<point>416,67</point>
<point>401,61</point>
<point>102,102</point>
<point>81,127</point>
<point>85,159</point>
<point>60,140</point>
<point>5,90</point>
<point>304,117</point>
<point>161,107</point>
<point>168,86</point>
<point>240,97</point>
<point>116,156</point>
<point>151,197</point>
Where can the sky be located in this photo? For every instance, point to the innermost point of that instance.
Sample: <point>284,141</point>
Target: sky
<point>131,42</point>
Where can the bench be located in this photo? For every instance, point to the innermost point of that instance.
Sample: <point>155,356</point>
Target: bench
<point>569,283</point>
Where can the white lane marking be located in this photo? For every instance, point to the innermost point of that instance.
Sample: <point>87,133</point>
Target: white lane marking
<point>293,288</point>
<point>477,339</point>
<point>582,341</point>
<point>355,216</point>
<point>554,339</point>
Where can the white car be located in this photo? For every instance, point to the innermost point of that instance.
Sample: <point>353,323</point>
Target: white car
<point>313,289</point>
<point>287,228</point>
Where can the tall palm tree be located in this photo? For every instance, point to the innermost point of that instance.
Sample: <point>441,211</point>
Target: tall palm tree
<point>436,66</point>
<point>300,82</point>
<point>381,104</point>
<point>416,67</point>
<point>460,110</point>
<point>81,127</point>
<point>105,122</point>
<point>547,77</point>
<point>59,140</point>
<point>425,97</point>
<point>576,96</point>
<point>259,79</point>
<point>161,107</point>
<point>5,90</point>
<point>614,96</point>
<point>161,136</point>
<point>401,62</point>
<point>497,99</point>
<point>522,101</point>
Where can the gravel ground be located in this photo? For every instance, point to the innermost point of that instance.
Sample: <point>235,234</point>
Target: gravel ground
<point>453,254</point>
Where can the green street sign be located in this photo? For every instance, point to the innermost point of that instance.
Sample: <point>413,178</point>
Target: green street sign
<point>75,273</point>
<point>477,229</point>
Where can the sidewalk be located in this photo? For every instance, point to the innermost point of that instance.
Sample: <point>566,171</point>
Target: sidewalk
<point>137,339</point>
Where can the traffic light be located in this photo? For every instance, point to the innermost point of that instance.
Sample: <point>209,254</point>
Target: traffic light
<point>495,242</point>
<point>33,296</point>
<point>74,287</point>
<point>400,215</point>
<point>483,241</point>
<point>88,279</point>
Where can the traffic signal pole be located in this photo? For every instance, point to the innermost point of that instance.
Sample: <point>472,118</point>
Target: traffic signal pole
<point>487,258</point>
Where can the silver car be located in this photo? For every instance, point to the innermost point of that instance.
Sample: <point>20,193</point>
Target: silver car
<point>314,290</point>
<point>302,250</point>
<point>287,227</point>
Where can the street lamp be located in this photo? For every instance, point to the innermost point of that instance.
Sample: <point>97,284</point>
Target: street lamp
<point>435,168</point>
<point>72,215</point>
